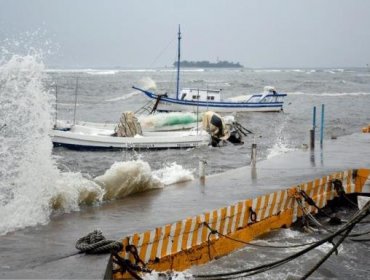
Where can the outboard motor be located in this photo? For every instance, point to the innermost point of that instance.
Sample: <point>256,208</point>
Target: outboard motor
<point>221,129</point>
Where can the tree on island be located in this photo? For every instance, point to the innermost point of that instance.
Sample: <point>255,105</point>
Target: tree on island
<point>207,64</point>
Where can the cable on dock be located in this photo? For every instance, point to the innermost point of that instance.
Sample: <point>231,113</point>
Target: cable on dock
<point>344,232</point>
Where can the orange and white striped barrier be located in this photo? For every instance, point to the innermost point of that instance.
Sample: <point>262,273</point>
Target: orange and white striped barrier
<point>189,242</point>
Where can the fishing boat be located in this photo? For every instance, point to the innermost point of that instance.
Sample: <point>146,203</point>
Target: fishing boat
<point>83,137</point>
<point>127,134</point>
<point>201,100</point>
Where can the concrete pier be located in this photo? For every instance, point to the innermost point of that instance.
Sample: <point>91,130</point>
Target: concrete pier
<point>48,251</point>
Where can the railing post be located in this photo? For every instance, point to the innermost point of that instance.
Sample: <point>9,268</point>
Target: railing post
<point>312,131</point>
<point>322,124</point>
<point>202,169</point>
<point>254,155</point>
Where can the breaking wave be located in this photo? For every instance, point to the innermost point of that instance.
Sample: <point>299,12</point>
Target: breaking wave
<point>32,187</point>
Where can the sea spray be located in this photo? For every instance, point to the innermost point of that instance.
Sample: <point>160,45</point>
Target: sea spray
<point>31,185</point>
<point>129,177</point>
<point>280,146</point>
<point>173,173</point>
<point>125,178</point>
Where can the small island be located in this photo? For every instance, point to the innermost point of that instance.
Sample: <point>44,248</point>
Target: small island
<point>207,64</point>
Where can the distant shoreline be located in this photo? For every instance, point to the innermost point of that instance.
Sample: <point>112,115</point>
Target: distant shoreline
<point>207,64</point>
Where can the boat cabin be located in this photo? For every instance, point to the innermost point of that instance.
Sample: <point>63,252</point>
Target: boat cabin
<point>195,94</point>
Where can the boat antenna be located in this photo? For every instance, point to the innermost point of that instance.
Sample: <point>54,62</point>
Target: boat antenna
<point>76,91</point>
<point>178,63</point>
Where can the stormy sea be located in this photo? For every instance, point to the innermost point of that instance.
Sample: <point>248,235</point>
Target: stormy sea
<point>40,182</point>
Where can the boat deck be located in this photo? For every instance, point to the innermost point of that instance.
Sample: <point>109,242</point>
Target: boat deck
<point>48,251</point>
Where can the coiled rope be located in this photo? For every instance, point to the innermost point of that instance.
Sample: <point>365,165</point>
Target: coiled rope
<point>95,243</point>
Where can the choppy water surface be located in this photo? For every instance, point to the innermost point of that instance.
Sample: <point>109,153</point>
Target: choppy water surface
<point>38,181</point>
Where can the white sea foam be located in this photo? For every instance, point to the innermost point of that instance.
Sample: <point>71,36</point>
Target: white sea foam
<point>125,178</point>
<point>173,173</point>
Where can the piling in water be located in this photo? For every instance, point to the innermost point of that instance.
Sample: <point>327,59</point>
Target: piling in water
<point>254,155</point>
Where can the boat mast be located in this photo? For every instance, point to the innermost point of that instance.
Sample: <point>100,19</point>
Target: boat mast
<point>178,64</point>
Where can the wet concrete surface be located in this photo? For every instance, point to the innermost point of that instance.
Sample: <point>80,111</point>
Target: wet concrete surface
<point>48,251</point>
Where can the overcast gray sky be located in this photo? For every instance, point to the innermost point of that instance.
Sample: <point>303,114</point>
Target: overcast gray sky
<point>142,33</point>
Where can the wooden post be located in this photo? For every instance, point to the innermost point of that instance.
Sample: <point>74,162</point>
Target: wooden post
<point>202,169</point>
<point>254,155</point>
<point>312,131</point>
<point>312,139</point>
<point>322,125</point>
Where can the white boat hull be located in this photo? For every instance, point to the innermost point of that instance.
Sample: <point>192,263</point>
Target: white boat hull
<point>150,140</point>
<point>170,107</point>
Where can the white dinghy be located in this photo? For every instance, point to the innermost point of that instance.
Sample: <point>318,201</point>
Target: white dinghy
<point>126,135</point>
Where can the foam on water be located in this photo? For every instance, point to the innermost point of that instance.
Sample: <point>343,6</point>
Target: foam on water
<point>31,185</point>
<point>173,173</point>
<point>124,178</point>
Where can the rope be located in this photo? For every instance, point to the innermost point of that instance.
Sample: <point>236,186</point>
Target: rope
<point>311,202</point>
<point>338,186</point>
<point>213,231</point>
<point>334,249</point>
<point>126,266</point>
<point>317,223</point>
<point>258,269</point>
<point>95,243</point>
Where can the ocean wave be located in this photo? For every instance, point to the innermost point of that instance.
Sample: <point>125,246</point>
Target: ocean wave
<point>182,70</point>
<point>102,72</point>
<point>32,186</point>
<point>173,173</point>
<point>91,71</point>
<point>145,83</point>
<point>124,97</point>
<point>125,178</point>
<point>330,94</point>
